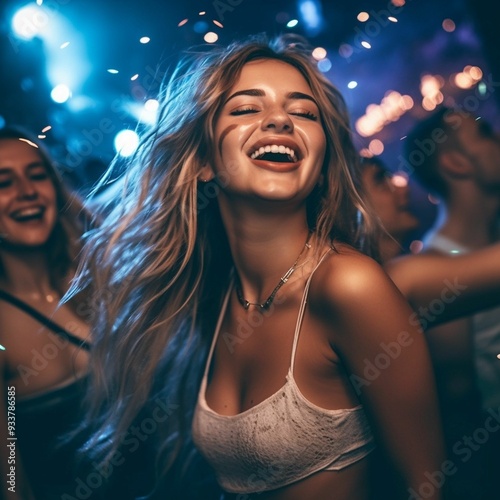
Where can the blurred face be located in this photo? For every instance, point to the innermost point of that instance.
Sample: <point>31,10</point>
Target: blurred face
<point>481,145</point>
<point>389,201</point>
<point>27,196</point>
<point>269,140</point>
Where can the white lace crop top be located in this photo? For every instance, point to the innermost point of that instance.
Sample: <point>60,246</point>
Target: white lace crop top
<point>281,440</point>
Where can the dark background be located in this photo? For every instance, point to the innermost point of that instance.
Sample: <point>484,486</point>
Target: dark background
<point>105,35</point>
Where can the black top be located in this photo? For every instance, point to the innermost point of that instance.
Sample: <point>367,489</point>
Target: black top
<point>43,424</point>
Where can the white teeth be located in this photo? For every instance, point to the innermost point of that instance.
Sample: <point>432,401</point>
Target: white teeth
<point>28,212</point>
<point>274,148</point>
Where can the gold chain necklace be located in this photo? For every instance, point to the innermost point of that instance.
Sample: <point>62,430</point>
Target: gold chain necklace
<point>265,305</point>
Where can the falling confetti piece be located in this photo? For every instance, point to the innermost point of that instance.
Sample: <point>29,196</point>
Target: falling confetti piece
<point>113,71</point>
<point>135,77</point>
<point>42,136</point>
<point>46,129</point>
<point>2,347</point>
<point>217,23</point>
<point>28,142</point>
<point>64,45</point>
<point>183,22</point>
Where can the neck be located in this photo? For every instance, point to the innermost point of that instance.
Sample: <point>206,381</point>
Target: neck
<point>470,220</point>
<point>389,248</point>
<point>26,272</point>
<point>264,246</point>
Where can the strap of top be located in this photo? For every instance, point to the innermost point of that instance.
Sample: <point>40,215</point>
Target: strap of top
<point>48,323</point>
<point>297,327</point>
<point>302,308</point>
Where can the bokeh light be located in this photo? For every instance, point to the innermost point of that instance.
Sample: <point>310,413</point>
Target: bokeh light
<point>126,143</point>
<point>211,37</point>
<point>60,93</point>
<point>319,53</point>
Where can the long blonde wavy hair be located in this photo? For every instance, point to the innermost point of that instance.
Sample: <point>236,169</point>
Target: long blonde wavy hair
<point>160,261</point>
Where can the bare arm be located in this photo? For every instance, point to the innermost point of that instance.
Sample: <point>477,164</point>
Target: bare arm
<point>443,287</point>
<point>371,326</point>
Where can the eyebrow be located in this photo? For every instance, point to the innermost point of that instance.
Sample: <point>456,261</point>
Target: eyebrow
<point>261,93</point>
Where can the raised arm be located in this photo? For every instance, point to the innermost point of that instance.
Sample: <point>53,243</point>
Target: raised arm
<point>445,287</point>
<point>389,365</point>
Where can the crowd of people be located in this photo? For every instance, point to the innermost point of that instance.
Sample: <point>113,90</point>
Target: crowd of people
<point>240,319</point>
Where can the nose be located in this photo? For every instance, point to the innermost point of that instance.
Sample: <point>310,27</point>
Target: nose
<point>402,195</point>
<point>26,189</point>
<point>277,119</point>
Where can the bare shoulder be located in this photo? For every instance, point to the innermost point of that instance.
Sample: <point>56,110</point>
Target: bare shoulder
<point>347,277</point>
<point>357,302</point>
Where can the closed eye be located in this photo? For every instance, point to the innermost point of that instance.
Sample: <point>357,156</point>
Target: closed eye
<point>39,177</point>
<point>305,114</point>
<point>243,111</point>
<point>5,184</point>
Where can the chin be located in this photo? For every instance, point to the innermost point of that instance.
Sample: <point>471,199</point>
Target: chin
<point>30,245</point>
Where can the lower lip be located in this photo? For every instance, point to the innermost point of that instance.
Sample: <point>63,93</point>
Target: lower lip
<point>35,221</point>
<point>276,166</point>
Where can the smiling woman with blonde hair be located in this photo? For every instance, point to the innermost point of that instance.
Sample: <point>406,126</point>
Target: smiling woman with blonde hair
<point>44,358</point>
<point>235,246</point>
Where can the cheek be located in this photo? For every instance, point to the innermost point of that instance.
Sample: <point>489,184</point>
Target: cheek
<point>49,193</point>
<point>383,204</point>
<point>4,204</point>
<point>222,139</point>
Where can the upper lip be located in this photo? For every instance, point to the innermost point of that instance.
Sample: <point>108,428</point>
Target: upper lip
<point>279,141</point>
<point>20,210</point>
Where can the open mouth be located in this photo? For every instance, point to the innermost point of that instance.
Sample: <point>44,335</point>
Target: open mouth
<point>275,153</point>
<point>28,214</point>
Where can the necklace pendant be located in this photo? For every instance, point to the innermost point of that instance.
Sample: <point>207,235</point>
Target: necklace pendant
<point>265,305</point>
